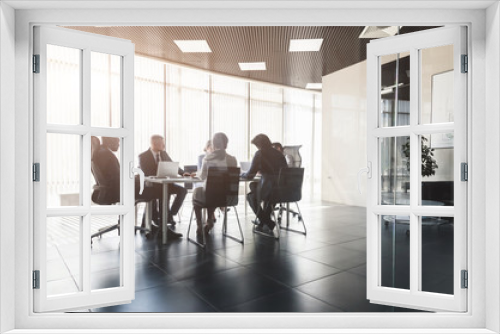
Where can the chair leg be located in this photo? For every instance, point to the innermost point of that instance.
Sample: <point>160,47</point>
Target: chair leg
<point>105,230</point>
<point>202,245</point>
<point>300,219</point>
<point>224,227</point>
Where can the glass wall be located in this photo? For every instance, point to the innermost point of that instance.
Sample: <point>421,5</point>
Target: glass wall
<point>188,106</point>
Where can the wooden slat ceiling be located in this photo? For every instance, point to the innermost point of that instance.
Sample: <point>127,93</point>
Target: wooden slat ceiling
<point>341,48</point>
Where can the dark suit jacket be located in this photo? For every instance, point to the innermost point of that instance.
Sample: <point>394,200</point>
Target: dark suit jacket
<point>148,164</point>
<point>106,169</point>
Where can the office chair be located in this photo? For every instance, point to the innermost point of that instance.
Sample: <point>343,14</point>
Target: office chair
<point>290,183</point>
<point>100,195</point>
<point>288,189</point>
<point>221,190</point>
<point>291,152</point>
<point>294,160</point>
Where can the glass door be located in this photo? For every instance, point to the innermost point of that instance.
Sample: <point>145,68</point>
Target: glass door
<point>417,143</point>
<point>83,111</point>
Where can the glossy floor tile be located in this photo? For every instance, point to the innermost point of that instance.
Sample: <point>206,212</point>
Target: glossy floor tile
<point>322,271</point>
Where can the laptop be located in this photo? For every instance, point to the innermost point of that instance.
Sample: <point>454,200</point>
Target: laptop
<point>167,169</point>
<point>245,166</point>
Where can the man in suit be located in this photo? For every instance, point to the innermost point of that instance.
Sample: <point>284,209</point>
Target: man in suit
<point>267,161</point>
<point>106,170</point>
<point>148,162</point>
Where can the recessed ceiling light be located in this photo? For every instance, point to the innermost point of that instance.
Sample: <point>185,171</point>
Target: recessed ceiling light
<point>305,44</point>
<point>193,45</point>
<point>379,31</point>
<point>314,85</point>
<point>252,66</point>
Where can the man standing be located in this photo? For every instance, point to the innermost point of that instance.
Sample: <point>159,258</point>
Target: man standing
<point>148,162</point>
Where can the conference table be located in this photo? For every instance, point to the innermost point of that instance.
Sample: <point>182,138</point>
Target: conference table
<point>165,181</point>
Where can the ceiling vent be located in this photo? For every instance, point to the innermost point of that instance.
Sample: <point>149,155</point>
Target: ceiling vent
<point>379,32</point>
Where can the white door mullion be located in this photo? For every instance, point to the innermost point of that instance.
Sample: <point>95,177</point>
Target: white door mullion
<point>85,244</point>
<point>414,168</point>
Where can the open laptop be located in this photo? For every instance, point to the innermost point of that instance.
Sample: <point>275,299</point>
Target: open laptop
<point>167,169</point>
<point>245,166</point>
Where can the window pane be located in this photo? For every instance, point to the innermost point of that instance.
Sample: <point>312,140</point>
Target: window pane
<point>230,114</point>
<point>395,171</point>
<point>395,90</point>
<point>149,113</point>
<point>105,257</point>
<point>266,112</point>
<point>63,85</point>
<point>299,108</point>
<point>105,169</point>
<point>63,170</point>
<point>437,169</point>
<point>63,255</point>
<point>437,81</point>
<point>188,122</point>
<point>395,251</point>
<point>105,90</point>
<point>437,254</point>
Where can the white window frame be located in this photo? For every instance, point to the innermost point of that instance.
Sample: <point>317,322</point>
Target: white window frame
<point>485,235</point>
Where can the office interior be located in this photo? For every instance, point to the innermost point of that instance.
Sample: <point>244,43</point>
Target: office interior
<point>186,97</point>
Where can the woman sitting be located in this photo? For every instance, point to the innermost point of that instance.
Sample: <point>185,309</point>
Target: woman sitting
<point>217,158</point>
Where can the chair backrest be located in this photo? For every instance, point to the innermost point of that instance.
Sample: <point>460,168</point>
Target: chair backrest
<point>289,188</point>
<point>294,159</point>
<point>222,186</point>
<point>190,169</point>
<point>102,195</point>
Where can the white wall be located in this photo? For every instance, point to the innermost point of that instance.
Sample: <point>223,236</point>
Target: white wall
<point>344,135</point>
<point>492,186</point>
<point>7,65</point>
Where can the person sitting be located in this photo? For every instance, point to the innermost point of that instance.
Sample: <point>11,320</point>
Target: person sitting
<point>289,159</point>
<point>107,191</point>
<point>217,158</point>
<point>268,162</point>
<point>207,149</point>
<point>148,162</point>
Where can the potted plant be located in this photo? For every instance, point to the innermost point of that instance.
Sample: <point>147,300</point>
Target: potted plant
<point>429,164</point>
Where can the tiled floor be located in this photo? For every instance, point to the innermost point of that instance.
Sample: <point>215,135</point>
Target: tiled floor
<point>324,271</point>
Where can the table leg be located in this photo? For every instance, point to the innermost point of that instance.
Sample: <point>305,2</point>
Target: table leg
<point>164,215</point>
<point>287,214</point>
<point>246,200</point>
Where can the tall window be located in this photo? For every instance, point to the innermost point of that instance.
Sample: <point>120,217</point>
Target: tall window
<point>188,106</point>
<point>230,113</point>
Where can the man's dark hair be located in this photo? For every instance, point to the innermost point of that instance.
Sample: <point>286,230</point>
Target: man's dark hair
<point>261,141</point>
<point>277,146</point>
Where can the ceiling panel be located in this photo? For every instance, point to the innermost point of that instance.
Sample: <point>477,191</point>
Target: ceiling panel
<point>231,45</point>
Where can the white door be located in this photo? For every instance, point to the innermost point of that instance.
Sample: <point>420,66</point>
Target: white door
<point>417,143</point>
<point>83,88</point>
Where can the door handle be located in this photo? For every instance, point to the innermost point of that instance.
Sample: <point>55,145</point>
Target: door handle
<point>367,170</point>
<point>134,170</point>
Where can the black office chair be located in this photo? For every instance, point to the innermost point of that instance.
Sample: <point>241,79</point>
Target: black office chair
<point>101,195</point>
<point>294,160</point>
<point>290,185</point>
<point>288,189</point>
<point>221,190</point>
